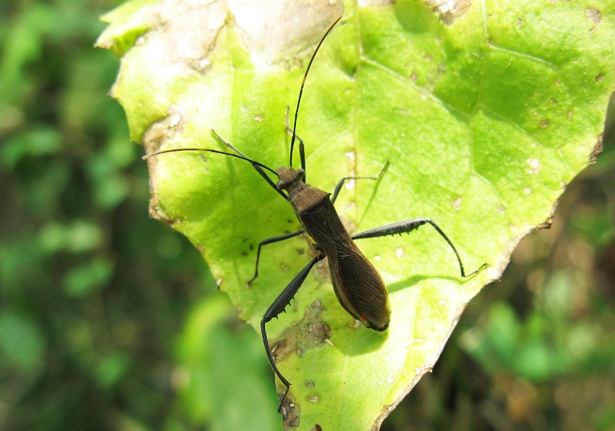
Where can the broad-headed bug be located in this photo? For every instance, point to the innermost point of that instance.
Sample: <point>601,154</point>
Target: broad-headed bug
<point>357,285</point>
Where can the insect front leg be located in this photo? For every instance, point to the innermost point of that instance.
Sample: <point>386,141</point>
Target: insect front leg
<point>271,241</point>
<point>408,226</point>
<point>339,185</point>
<point>278,307</point>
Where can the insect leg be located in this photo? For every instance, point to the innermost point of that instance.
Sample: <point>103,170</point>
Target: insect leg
<point>278,307</point>
<point>408,226</point>
<point>258,168</point>
<point>290,131</point>
<point>271,241</point>
<point>339,185</point>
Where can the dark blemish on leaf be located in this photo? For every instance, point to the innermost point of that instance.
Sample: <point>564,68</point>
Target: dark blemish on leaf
<point>290,412</point>
<point>157,134</point>
<point>280,345</point>
<point>309,383</point>
<point>284,267</point>
<point>316,427</point>
<point>311,332</point>
<point>251,247</point>
<point>546,224</point>
<point>520,22</point>
<point>320,331</point>
<point>554,101</point>
<point>544,124</point>
<point>300,251</point>
<point>593,15</point>
<point>599,77</point>
<point>596,150</point>
<point>204,160</point>
<point>244,240</point>
<point>244,253</point>
<point>353,73</point>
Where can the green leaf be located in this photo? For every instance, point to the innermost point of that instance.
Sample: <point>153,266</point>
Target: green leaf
<point>484,114</point>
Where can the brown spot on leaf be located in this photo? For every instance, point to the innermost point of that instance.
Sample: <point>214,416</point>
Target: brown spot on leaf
<point>593,15</point>
<point>596,150</point>
<point>290,411</point>
<point>309,333</point>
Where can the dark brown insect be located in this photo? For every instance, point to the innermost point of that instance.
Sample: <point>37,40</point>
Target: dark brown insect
<point>357,284</point>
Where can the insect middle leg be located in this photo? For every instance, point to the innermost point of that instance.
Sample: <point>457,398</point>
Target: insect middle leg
<point>271,241</point>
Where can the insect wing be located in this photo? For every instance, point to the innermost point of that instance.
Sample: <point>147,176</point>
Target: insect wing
<point>356,282</point>
<point>359,288</point>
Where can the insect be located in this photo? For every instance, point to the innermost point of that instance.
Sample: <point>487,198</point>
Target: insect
<point>357,284</point>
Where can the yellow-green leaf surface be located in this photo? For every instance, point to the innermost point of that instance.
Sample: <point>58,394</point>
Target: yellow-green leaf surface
<point>485,113</point>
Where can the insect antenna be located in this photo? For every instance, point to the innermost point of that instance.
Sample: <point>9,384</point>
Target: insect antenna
<point>292,141</point>
<point>239,156</point>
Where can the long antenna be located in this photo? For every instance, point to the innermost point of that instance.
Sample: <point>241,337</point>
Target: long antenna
<point>239,156</point>
<point>292,142</point>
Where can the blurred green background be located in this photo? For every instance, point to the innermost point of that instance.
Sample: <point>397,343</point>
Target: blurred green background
<point>111,321</point>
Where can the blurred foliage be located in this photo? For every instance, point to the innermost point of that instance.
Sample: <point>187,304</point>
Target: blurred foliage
<point>93,294</point>
<point>111,321</point>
